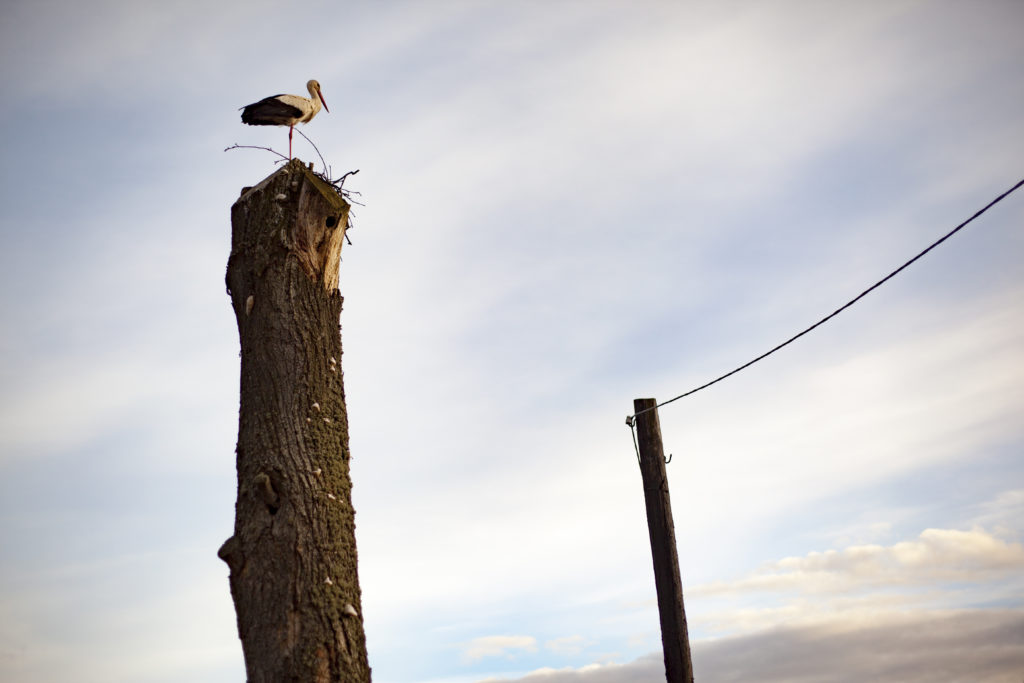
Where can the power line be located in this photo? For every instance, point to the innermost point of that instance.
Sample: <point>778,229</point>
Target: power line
<point>631,419</point>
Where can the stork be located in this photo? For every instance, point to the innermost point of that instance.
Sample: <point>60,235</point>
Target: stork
<point>285,110</point>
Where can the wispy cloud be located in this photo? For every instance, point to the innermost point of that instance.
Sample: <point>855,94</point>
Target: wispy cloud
<point>935,556</point>
<point>1003,514</point>
<point>975,645</point>
<point>498,646</point>
<point>648,669</point>
<point>970,645</point>
<point>117,597</point>
<point>566,207</point>
<point>568,645</point>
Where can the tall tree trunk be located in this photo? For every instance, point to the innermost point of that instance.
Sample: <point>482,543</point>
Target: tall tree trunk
<point>293,554</point>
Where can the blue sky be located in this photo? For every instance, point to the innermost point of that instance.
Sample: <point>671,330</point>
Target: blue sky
<point>568,205</point>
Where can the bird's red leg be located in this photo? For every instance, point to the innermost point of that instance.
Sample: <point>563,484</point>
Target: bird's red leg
<point>290,129</point>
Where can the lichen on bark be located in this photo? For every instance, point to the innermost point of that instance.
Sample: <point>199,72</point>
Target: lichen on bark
<point>292,558</point>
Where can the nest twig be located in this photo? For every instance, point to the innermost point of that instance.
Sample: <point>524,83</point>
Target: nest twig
<point>338,184</point>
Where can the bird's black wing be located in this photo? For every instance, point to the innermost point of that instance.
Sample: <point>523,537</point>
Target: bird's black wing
<point>269,112</point>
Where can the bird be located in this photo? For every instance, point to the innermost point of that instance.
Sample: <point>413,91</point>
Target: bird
<point>285,110</point>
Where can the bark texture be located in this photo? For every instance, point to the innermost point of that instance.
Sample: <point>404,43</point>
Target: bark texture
<point>292,557</point>
<point>675,639</point>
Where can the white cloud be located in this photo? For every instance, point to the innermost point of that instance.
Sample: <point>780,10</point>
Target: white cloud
<point>981,646</point>
<point>1003,514</point>
<point>647,669</point>
<point>803,438</point>
<point>936,556</point>
<point>498,646</point>
<point>975,645</point>
<point>867,410</point>
<point>489,367</point>
<point>568,645</point>
<point>860,533</point>
<point>118,598</point>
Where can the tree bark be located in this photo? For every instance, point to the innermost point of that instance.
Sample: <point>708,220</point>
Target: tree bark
<point>292,557</point>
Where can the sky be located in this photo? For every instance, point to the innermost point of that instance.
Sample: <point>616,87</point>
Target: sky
<point>564,206</point>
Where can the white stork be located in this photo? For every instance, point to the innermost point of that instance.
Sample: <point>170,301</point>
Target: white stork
<point>285,110</point>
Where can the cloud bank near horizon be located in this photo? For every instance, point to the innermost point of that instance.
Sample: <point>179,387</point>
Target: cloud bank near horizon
<point>840,615</point>
<point>982,646</point>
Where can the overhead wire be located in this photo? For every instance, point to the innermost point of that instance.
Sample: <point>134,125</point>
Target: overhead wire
<point>631,420</point>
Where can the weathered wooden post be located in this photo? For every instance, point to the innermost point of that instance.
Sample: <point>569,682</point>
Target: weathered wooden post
<point>674,637</point>
<point>293,554</point>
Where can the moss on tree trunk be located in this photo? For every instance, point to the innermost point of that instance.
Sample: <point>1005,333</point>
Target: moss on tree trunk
<point>292,557</point>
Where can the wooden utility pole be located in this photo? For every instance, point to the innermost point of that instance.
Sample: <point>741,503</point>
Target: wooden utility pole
<point>293,553</point>
<point>674,638</point>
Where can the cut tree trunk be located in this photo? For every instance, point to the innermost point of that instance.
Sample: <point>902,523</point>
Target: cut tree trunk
<point>292,557</point>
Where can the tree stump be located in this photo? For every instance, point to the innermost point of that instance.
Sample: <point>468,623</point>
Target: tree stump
<point>292,558</point>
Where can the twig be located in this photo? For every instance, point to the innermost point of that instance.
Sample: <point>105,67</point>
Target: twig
<point>340,182</point>
<point>238,146</point>
<point>338,185</point>
<point>315,148</point>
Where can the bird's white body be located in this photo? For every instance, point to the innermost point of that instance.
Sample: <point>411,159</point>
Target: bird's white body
<point>308,108</point>
<point>285,110</point>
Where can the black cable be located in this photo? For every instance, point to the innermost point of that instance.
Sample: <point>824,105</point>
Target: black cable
<point>631,418</point>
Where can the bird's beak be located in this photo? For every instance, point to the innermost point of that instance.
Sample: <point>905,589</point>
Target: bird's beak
<point>322,100</point>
